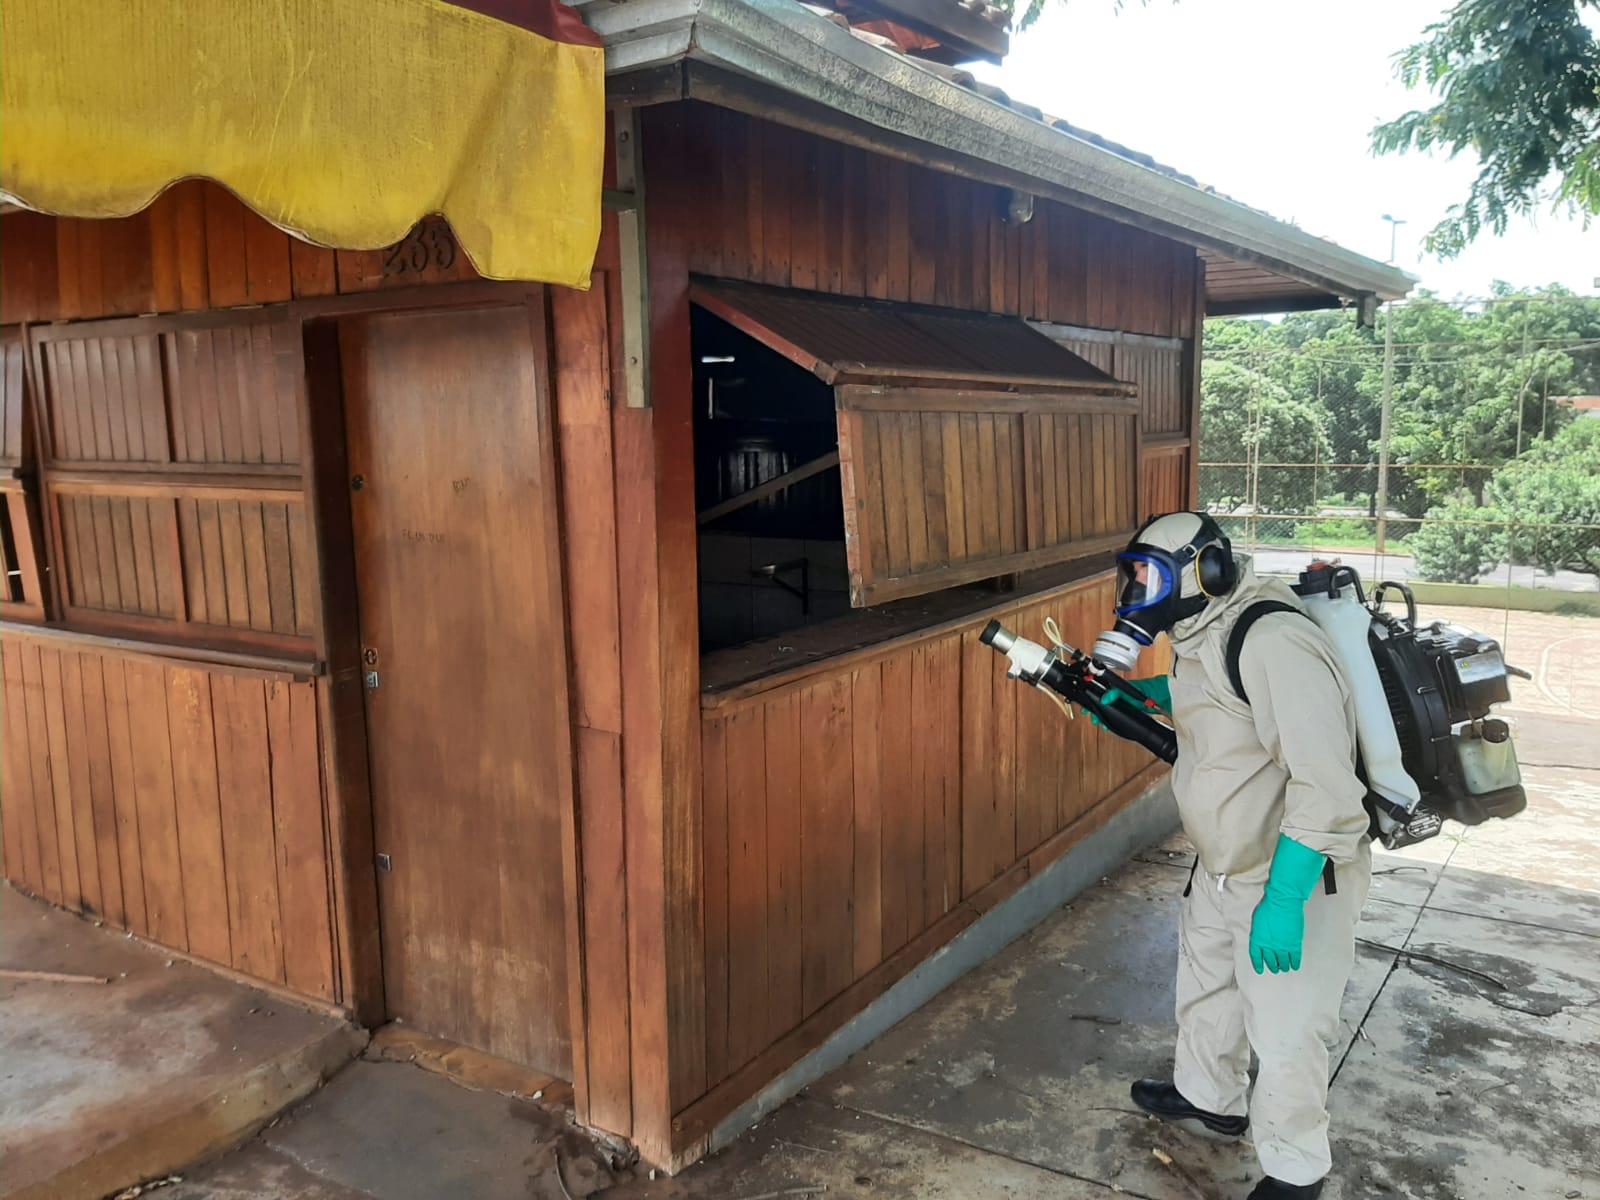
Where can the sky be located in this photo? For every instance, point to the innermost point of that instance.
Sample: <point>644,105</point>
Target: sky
<point>1272,102</point>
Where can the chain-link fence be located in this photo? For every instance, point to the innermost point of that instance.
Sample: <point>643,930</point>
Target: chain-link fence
<point>1455,444</point>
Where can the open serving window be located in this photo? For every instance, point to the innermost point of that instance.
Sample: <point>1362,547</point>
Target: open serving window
<point>968,446</point>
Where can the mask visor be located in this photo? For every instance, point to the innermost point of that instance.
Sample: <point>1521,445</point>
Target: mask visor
<point>1143,581</point>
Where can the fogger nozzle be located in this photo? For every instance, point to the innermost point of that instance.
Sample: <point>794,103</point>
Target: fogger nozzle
<point>1029,660</point>
<point>995,634</point>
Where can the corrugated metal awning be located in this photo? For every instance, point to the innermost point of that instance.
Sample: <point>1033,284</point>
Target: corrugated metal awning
<point>852,340</point>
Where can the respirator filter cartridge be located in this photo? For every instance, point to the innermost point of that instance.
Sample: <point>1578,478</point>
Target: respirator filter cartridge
<point>1116,651</point>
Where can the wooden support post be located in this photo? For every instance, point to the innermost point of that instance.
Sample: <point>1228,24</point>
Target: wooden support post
<point>1192,356</point>
<point>660,657</point>
<point>340,701</point>
<point>628,200</point>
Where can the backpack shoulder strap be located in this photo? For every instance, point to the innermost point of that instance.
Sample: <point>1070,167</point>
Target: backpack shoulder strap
<point>1247,619</point>
<point>1236,636</point>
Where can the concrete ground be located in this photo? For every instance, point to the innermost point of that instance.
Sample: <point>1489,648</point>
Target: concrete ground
<point>105,1084</point>
<point>393,1131</point>
<point>1467,1070</point>
<point>1560,652</point>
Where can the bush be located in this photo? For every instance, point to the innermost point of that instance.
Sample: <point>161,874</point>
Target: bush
<point>1554,492</point>
<point>1457,542</point>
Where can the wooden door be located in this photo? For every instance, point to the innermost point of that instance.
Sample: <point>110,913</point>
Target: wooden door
<point>453,506</point>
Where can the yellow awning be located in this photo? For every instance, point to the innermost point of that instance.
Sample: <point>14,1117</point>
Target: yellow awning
<point>343,122</point>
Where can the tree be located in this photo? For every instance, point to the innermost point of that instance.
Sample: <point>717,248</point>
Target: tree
<point>1518,83</point>
<point>1552,492</point>
<point>1473,388</point>
<point>1245,417</point>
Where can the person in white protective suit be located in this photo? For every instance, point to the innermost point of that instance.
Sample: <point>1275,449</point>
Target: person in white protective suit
<point>1268,792</point>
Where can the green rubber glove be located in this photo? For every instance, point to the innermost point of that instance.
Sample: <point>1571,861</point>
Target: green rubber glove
<point>1157,688</point>
<point>1278,927</point>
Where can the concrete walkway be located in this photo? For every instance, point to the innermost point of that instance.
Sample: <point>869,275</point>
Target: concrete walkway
<point>106,1084</point>
<point>393,1131</point>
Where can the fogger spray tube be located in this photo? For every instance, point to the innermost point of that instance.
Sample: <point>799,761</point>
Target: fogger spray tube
<point>1080,680</point>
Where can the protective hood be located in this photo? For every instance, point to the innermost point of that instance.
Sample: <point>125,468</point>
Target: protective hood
<point>1162,580</point>
<point>1245,592</point>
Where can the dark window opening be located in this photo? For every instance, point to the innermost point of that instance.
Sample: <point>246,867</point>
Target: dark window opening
<point>13,565</point>
<point>771,558</point>
<point>853,453</point>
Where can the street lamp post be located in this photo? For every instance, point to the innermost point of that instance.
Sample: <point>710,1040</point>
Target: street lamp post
<point>1387,412</point>
<point>1394,229</point>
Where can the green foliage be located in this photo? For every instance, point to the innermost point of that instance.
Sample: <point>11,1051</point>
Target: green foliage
<point>1472,389</point>
<point>1518,83</point>
<point>1476,391</point>
<point>1553,493</point>
<point>1247,416</point>
<point>1458,542</point>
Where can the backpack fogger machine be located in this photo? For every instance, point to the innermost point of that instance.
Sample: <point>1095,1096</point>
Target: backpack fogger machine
<point>1430,748</point>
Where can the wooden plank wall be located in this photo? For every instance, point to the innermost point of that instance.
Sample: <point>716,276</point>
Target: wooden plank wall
<point>730,196</point>
<point>1164,479</point>
<point>779,206</point>
<point>739,198</point>
<point>181,802</point>
<point>1161,370</point>
<point>1158,373</point>
<point>849,813</point>
<point>1167,386</point>
<point>180,439</point>
<point>196,247</point>
<point>617,573</point>
<point>784,207</point>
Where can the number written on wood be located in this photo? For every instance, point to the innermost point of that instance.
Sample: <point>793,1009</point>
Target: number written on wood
<point>427,249</point>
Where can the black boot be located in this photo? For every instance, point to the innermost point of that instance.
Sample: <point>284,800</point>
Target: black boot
<point>1162,1100</point>
<point>1275,1189</point>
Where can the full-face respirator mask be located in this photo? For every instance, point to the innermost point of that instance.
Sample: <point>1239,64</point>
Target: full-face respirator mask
<point>1171,570</point>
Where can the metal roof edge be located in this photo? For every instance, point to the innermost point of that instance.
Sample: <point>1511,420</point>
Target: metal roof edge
<point>784,45</point>
<point>641,33</point>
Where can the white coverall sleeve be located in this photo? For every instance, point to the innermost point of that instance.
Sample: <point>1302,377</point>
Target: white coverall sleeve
<point>1299,708</point>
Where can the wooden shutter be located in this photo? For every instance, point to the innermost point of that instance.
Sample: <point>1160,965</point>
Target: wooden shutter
<point>173,478</point>
<point>970,445</point>
<point>944,486</point>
